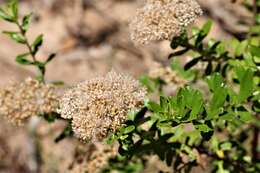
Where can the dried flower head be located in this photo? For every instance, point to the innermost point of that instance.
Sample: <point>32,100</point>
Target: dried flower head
<point>99,106</point>
<point>98,160</point>
<point>163,19</point>
<point>20,101</point>
<point>95,157</point>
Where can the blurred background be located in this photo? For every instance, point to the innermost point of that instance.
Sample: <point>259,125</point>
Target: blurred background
<point>90,37</point>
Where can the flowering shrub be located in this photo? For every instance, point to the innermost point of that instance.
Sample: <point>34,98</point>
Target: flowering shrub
<point>195,126</point>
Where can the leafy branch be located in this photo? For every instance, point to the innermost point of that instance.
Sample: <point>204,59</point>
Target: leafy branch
<point>10,14</point>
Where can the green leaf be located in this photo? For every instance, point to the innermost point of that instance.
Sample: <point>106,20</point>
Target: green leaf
<point>200,34</point>
<point>245,116</point>
<point>21,59</point>
<point>26,22</point>
<point>226,146</point>
<point>128,129</point>
<point>193,100</point>
<point>215,82</point>
<point>241,48</point>
<point>37,43</point>
<point>245,78</point>
<point>111,139</point>
<point>181,40</point>
<point>178,53</point>
<point>195,31</point>
<point>207,27</point>
<point>208,70</point>
<point>16,36</point>
<point>148,83</point>
<point>139,115</point>
<point>179,105</point>
<point>192,63</point>
<point>194,137</point>
<point>13,8</point>
<point>154,107</point>
<point>50,58</point>
<point>202,127</point>
<point>218,99</point>
<point>220,49</point>
<point>5,16</point>
<point>254,50</point>
<point>220,165</point>
<point>255,29</point>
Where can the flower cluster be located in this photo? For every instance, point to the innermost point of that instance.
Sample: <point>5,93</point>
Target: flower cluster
<point>95,157</point>
<point>99,106</point>
<point>163,19</point>
<point>20,101</point>
<point>99,159</point>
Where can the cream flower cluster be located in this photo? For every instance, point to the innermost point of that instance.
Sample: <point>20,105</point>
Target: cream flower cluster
<point>99,106</point>
<point>163,19</point>
<point>20,101</point>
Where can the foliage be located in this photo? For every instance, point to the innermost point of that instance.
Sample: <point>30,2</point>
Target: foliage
<point>220,123</point>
